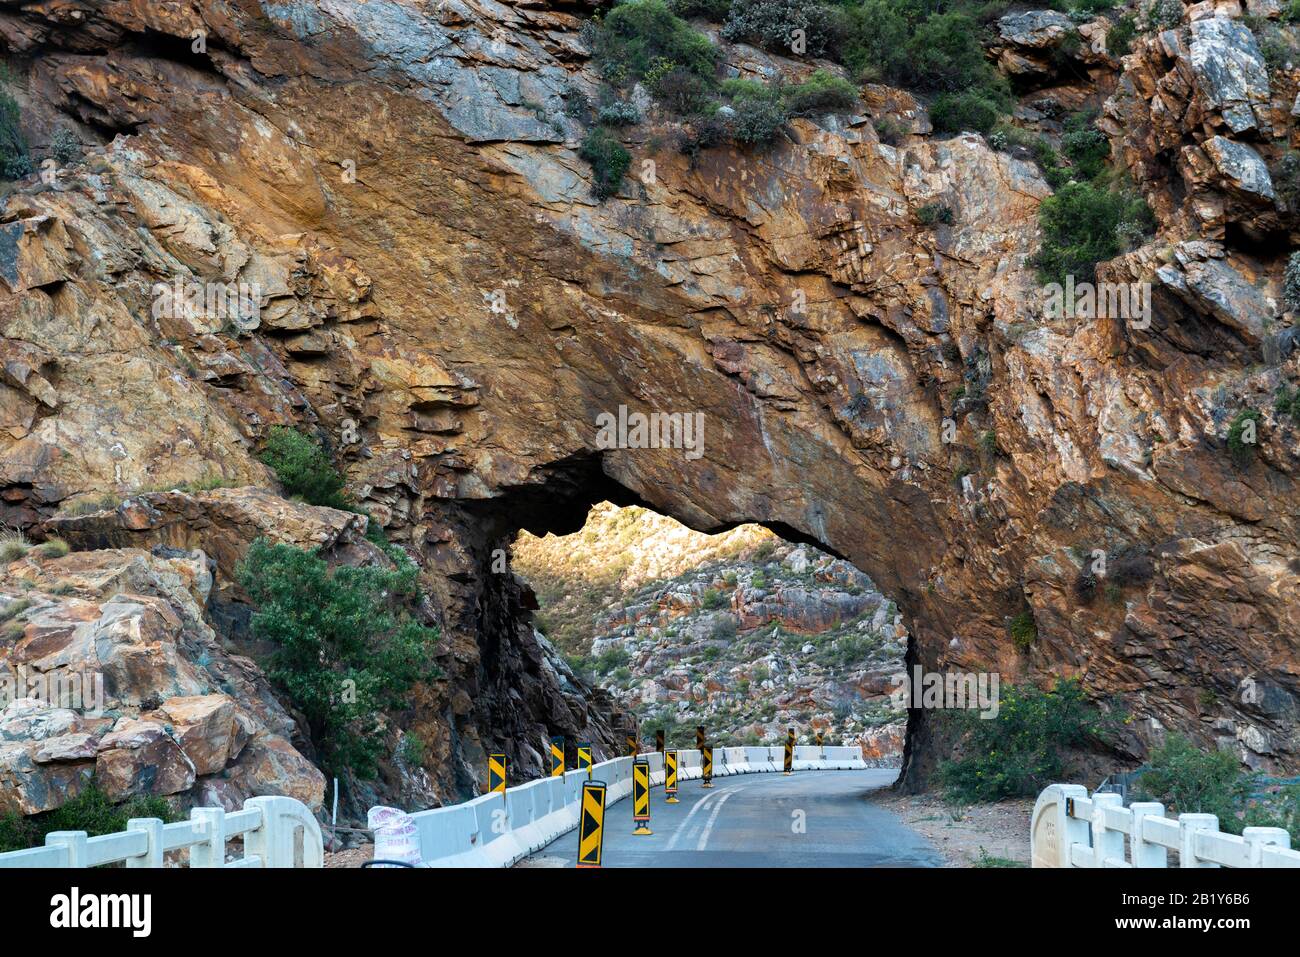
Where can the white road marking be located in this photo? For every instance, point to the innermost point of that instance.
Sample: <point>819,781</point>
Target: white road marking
<point>708,828</point>
<point>682,828</point>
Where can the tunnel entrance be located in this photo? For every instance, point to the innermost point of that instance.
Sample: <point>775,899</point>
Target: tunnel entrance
<point>743,631</point>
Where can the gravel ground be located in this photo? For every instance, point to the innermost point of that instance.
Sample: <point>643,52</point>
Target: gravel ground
<point>352,857</point>
<point>967,835</point>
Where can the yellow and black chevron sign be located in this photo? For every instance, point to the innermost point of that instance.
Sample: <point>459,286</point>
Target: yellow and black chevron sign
<point>496,773</point>
<point>591,825</point>
<point>670,776</point>
<point>557,757</point>
<point>641,796</point>
<point>584,758</point>
<point>789,754</point>
<point>706,765</point>
<point>820,738</point>
<point>631,746</point>
<point>699,737</point>
<point>659,740</point>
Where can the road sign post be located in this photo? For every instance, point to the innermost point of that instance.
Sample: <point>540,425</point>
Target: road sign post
<point>632,748</point>
<point>496,773</point>
<point>659,740</point>
<point>557,757</point>
<point>706,765</point>
<point>670,777</point>
<point>699,737</point>
<point>821,745</point>
<point>789,752</point>
<point>641,797</point>
<point>591,824</point>
<point>584,758</point>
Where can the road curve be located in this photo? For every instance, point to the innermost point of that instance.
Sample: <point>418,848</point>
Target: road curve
<point>809,819</point>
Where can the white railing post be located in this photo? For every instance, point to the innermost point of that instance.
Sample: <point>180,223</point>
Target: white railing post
<point>1188,826</point>
<point>1106,843</point>
<point>153,829</point>
<point>274,842</point>
<point>74,841</point>
<point>1144,853</point>
<point>1258,838</point>
<point>211,851</point>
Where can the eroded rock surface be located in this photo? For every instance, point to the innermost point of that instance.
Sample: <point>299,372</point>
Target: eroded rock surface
<point>455,315</point>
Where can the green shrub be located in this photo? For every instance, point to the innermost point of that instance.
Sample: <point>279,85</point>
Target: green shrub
<point>944,55</point>
<point>15,162</point>
<point>821,93</point>
<point>619,113</point>
<point>1188,780</point>
<point>611,660</point>
<point>1080,229</point>
<point>90,811</point>
<point>1119,39</point>
<point>932,214</point>
<point>609,161</point>
<point>65,147</point>
<point>53,548</point>
<point>641,34</point>
<point>1023,630</point>
<point>1022,750</point>
<point>344,647</point>
<point>303,467</point>
<point>1163,15</point>
<point>977,110</point>
<point>712,598</point>
<point>1243,435</point>
<point>1085,145</point>
<point>713,10</point>
<point>1291,282</point>
<point>874,42</point>
<point>770,23</point>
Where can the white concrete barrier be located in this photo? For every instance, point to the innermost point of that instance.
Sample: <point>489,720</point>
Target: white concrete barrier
<point>498,830</point>
<point>277,832</point>
<point>1070,829</point>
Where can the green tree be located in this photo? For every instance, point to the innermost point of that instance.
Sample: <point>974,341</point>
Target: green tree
<point>345,646</point>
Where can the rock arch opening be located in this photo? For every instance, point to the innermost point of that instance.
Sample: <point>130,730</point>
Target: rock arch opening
<point>743,632</point>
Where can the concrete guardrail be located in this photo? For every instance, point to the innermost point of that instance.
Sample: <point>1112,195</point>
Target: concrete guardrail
<point>497,830</point>
<point>1070,829</point>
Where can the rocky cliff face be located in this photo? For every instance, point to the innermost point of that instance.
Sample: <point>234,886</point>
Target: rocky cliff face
<point>443,299</point>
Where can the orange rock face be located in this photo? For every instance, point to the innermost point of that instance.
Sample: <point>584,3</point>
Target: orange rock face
<point>440,297</point>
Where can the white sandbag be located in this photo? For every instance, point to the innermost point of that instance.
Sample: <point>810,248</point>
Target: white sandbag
<point>396,836</point>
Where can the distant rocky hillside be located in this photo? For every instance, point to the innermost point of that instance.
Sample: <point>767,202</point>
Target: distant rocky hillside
<point>742,632</point>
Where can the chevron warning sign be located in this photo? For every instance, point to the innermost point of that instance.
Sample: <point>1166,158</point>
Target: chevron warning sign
<point>591,826</point>
<point>706,766</point>
<point>641,797</point>
<point>631,746</point>
<point>821,737</point>
<point>557,757</point>
<point>670,777</point>
<point>699,737</point>
<point>789,752</point>
<point>584,758</point>
<point>496,773</point>
<point>659,740</point>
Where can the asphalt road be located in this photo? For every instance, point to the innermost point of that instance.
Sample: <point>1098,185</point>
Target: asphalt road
<point>809,819</point>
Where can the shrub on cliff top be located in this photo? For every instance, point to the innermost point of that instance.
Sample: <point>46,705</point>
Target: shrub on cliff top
<point>821,93</point>
<point>303,467</point>
<point>637,35</point>
<point>344,646</point>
